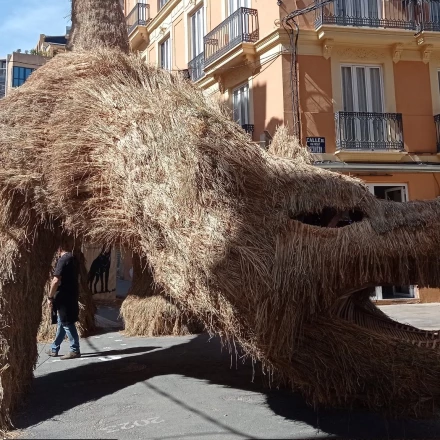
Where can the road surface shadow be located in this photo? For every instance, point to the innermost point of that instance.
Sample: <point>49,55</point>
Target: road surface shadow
<point>201,358</point>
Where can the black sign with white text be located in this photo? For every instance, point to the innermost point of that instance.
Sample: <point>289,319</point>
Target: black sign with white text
<point>316,144</point>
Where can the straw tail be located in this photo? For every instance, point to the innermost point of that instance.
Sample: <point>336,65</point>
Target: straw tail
<point>97,24</point>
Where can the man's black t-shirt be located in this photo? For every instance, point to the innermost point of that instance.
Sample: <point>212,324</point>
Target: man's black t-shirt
<point>66,297</point>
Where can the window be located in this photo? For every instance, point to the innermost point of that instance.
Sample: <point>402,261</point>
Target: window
<point>396,193</point>
<point>20,75</point>
<point>240,105</point>
<point>358,8</point>
<point>197,33</point>
<point>362,89</point>
<point>162,3</point>
<point>362,94</point>
<point>239,24</point>
<point>438,79</point>
<point>2,78</point>
<point>165,55</point>
<point>434,12</point>
<point>236,4</point>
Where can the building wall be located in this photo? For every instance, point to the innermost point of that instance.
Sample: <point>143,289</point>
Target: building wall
<point>415,104</point>
<point>267,98</point>
<point>179,60</point>
<point>316,97</point>
<point>215,13</point>
<point>269,12</point>
<point>23,60</point>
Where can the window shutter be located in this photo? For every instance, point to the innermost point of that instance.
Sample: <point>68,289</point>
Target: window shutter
<point>347,89</point>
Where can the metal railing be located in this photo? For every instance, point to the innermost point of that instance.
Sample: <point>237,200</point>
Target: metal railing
<point>428,15</point>
<point>248,128</point>
<point>196,66</point>
<point>369,131</point>
<point>241,26</point>
<point>437,131</point>
<point>370,13</point>
<point>139,16</point>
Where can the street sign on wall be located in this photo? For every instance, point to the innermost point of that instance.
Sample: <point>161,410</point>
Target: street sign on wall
<point>316,144</point>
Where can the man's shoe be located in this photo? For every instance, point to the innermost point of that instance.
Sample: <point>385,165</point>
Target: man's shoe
<point>71,355</point>
<point>52,353</point>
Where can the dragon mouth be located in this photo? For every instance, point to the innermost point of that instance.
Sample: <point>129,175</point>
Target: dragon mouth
<point>356,307</point>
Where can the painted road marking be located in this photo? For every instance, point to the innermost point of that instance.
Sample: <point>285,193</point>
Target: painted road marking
<point>110,358</point>
<point>130,425</point>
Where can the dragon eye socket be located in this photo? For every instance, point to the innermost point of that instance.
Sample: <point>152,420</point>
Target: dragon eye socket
<point>330,218</point>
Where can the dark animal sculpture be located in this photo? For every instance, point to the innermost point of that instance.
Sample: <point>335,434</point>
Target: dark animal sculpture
<point>100,271</point>
<point>244,239</point>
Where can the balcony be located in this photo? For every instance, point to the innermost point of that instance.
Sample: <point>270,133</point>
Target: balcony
<point>429,15</point>
<point>437,131</point>
<point>196,66</point>
<point>248,128</point>
<point>139,16</point>
<point>359,132</point>
<point>394,14</point>
<point>239,27</point>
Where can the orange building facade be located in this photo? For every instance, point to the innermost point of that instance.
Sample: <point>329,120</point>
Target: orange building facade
<point>366,99</point>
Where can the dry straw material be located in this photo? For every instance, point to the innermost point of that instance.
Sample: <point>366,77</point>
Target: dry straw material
<point>271,253</point>
<point>25,261</point>
<point>147,312</point>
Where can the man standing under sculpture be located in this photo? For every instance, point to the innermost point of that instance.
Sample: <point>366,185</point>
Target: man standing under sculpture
<point>63,298</point>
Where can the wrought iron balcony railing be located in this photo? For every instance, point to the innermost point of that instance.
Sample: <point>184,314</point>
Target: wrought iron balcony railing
<point>196,66</point>
<point>428,15</point>
<point>139,16</point>
<point>248,128</point>
<point>241,26</point>
<point>369,13</point>
<point>369,131</point>
<point>437,131</point>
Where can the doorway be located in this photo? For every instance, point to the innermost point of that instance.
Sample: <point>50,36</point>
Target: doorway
<point>395,193</point>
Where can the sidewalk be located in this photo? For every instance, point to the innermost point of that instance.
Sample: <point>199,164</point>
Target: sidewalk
<point>185,388</point>
<point>425,316</point>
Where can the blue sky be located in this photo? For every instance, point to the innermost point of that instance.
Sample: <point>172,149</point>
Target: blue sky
<point>22,22</point>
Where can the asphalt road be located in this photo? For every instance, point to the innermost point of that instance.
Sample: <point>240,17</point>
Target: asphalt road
<point>183,388</point>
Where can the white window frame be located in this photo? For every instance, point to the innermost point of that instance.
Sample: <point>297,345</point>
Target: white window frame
<point>201,32</point>
<point>233,5</point>
<point>246,121</point>
<point>367,85</point>
<point>167,64</point>
<point>414,291</point>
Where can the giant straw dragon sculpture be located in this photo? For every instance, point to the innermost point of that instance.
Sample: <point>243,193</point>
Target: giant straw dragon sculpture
<point>98,145</point>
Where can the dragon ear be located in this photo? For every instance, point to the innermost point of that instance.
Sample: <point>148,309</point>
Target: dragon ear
<point>98,24</point>
<point>285,144</point>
